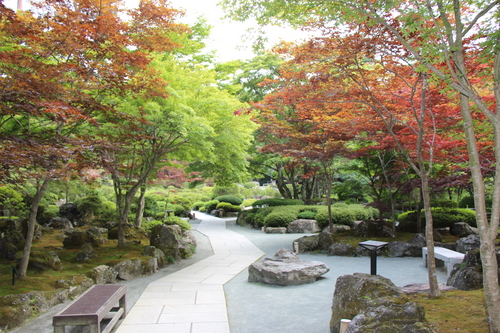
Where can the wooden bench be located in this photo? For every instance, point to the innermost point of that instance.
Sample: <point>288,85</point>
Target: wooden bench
<point>97,303</point>
<point>449,257</point>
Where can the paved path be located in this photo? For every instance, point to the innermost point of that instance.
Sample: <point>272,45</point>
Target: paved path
<point>192,300</point>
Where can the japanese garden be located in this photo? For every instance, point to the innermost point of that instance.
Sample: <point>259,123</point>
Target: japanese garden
<point>122,136</point>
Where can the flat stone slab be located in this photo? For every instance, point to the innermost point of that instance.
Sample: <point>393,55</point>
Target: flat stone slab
<point>286,269</point>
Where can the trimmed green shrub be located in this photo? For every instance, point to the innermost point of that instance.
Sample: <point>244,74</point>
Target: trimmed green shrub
<point>307,214</point>
<point>362,212</point>
<point>11,201</point>
<point>197,205</point>
<point>211,205</point>
<point>442,218</point>
<point>90,207</point>
<point>233,200</point>
<point>281,216</point>
<point>248,202</point>
<point>182,201</point>
<point>46,213</point>
<point>343,216</point>
<point>277,202</point>
<point>172,220</point>
<point>228,207</point>
<point>148,225</point>
<point>260,216</point>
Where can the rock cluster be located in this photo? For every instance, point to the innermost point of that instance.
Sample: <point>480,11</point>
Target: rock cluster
<point>286,269</point>
<point>375,304</point>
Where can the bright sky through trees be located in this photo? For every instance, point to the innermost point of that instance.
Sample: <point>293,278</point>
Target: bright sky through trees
<point>230,39</point>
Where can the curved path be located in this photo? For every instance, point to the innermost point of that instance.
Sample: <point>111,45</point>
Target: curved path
<point>192,299</point>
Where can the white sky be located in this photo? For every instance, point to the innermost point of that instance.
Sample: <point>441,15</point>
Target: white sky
<point>226,36</point>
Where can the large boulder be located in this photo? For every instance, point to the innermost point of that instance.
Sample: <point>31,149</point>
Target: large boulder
<point>374,228</point>
<point>70,211</point>
<point>60,223</point>
<point>129,269</point>
<point>306,244</point>
<point>341,249</point>
<point>286,269</point>
<point>375,304</point>
<point>103,274</point>
<point>75,238</point>
<point>403,249</point>
<point>164,238</point>
<point>43,261</point>
<point>462,229</point>
<point>468,243</point>
<point>468,275</point>
<point>86,253</point>
<point>303,227</point>
<point>152,251</point>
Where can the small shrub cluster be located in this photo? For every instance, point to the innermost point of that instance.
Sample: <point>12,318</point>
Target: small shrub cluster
<point>210,205</point>
<point>233,200</point>
<point>281,216</point>
<point>173,220</point>
<point>197,205</point>
<point>444,203</point>
<point>307,214</point>
<point>277,202</point>
<point>227,207</point>
<point>441,217</point>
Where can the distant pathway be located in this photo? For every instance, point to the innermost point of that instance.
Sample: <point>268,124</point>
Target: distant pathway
<point>192,300</point>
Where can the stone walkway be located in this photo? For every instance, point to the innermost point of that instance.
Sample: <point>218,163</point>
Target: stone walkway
<point>192,300</point>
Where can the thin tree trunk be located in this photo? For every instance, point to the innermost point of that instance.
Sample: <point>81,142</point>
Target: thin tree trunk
<point>429,237</point>
<point>140,208</point>
<point>23,265</point>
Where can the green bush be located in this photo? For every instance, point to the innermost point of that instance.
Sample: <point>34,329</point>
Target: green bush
<point>172,220</point>
<point>441,217</point>
<point>46,213</point>
<point>233,200</point>
<point>277,202</point>
<point>182,201</point>
<point>108,210</point>
<point>148,225</point>
<point>362,212</point>
<point>281,216</point>
<point>228,207</point>
<point>11,201</point>
<point>210,205</point>
<point>340,215</point>
<point>197,205</point>
<point>90,207</point>
<point>248,202</point>
<point>307,214</point>
<point>260,215</point>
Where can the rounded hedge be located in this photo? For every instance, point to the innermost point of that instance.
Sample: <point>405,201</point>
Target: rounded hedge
<point>227,207</point>
<point>441,217</point>
<point>233,200</point>
<point>277,202</point>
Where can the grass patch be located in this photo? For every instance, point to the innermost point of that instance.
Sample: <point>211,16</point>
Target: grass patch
<point>455,311</point>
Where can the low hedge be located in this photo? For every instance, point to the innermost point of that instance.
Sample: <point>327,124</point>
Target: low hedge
<point>233,200</point>
<point>281,216</point>
<point>228,207</point>
<point>277,202</point>
<point>441,217</point>
<point>210,205</point>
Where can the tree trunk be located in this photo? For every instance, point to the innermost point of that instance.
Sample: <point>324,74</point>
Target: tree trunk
<point>23,265</point>
<point>487,236</point>
<point>140,206</point>
<point>429,237</point>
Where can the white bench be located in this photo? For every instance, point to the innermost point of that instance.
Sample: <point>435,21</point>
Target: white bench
<point>449,257</point>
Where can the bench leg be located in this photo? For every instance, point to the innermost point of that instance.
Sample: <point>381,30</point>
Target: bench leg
<point>58,329</point>
<point>123,305</point>
<point>95,328</point>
